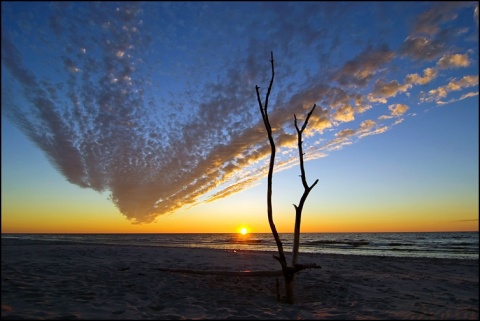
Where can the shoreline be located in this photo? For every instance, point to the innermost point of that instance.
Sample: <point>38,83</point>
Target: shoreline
<point>65,280</point>
<point>449,245</point>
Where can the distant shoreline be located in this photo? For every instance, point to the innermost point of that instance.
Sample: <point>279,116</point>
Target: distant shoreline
<point>150,233</point>
<point>461,245</point>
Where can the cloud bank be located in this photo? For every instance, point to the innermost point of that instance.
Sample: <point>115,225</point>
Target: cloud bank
<point>155,103</point>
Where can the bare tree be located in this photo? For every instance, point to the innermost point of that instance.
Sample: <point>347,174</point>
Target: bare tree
<point>288,271</point>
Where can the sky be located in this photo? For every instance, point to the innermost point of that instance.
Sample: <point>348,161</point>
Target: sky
<point>142,117</point>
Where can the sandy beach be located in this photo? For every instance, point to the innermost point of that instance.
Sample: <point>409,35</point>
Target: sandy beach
<point>68,281</point>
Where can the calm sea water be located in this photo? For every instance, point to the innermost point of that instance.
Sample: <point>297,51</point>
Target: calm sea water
<point>463,245</point>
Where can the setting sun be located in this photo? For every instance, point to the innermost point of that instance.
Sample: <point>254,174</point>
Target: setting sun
<point>243,231</point>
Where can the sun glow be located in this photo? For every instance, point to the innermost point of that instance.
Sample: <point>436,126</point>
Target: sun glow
<point>243,230</point>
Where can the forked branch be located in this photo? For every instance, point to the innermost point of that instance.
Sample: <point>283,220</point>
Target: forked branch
<point>307,189</point>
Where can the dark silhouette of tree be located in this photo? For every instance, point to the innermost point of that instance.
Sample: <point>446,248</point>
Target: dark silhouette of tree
<point>288,271</point>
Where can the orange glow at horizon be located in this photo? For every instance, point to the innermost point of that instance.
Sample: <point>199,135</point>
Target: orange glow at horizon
<point>212,219</point>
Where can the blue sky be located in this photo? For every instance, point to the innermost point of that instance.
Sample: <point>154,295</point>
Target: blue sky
<point>147,112</point>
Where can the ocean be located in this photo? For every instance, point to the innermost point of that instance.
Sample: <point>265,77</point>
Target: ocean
<point>446,245</point>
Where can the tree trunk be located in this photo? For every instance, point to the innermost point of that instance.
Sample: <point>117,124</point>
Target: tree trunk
<point>289,277</point>
<point>288,271</point>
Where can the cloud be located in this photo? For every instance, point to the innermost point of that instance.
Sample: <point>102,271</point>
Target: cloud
<point>428,75</point>
<point>475,15</point>
<point>453,61</point>
<point>390,89</point>
<point>462,97</point>
<point>359,71</point>
<point>466,220</point>
<point>422,48</point>
<point>377,131</point>
<point>398,109</point>
<point>468,95</point>
<point>429,22</point>
<point>454,85</point>
<point>345,133</point>
<point>155,104</point>
<point>432,30</point>
<point>348,136</point>
<point>344,113</point>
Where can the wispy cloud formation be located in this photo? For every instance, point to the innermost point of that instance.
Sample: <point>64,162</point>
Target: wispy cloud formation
<point>454,85</point>
<point>155,102</point>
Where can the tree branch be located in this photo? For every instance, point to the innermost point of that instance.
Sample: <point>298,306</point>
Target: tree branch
<point>307,189</point>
